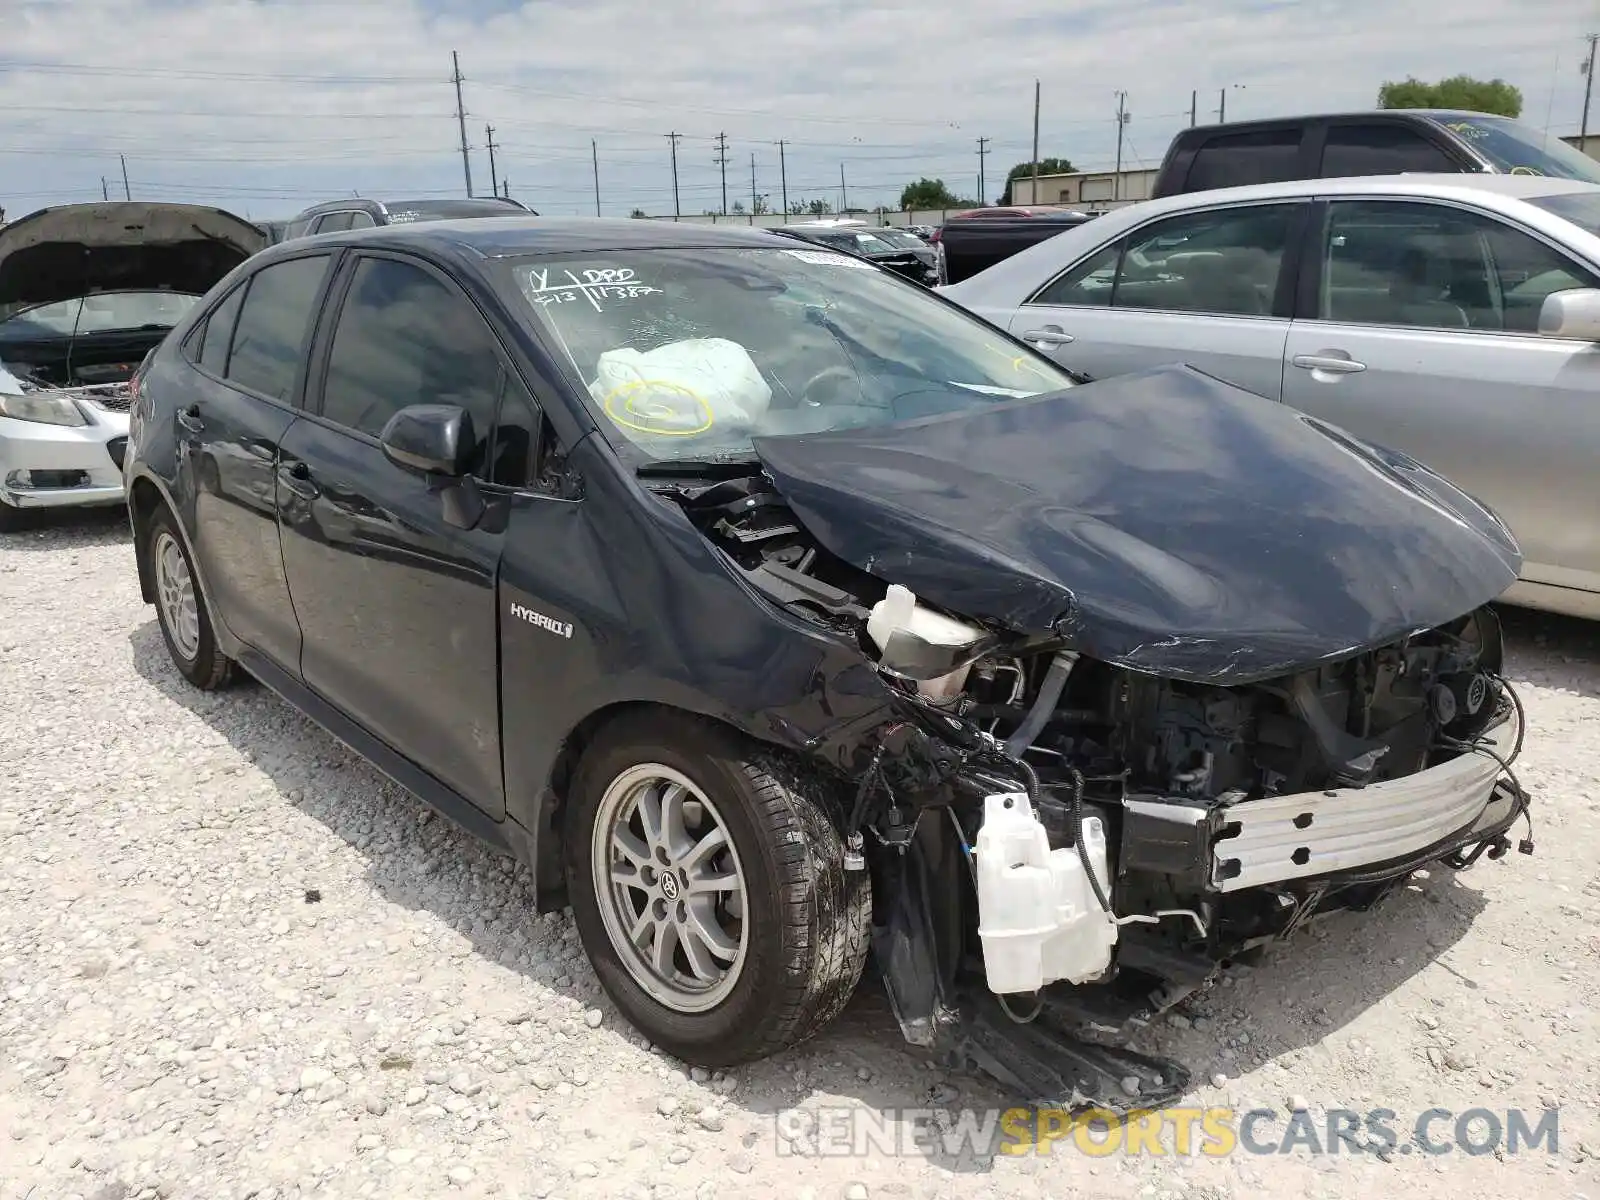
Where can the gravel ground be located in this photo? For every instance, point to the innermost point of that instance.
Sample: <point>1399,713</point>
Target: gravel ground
<point>235,961</point>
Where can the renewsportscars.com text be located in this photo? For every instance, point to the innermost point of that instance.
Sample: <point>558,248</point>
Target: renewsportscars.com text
<point>848,1131</point>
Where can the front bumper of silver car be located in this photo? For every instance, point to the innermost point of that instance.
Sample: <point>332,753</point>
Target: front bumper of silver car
<point>59,466</point>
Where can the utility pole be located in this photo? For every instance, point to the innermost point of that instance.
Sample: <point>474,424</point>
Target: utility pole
<point>844,196</point>
<point>494,177</point>
<point>461,120</point>
<point>505,187</point>
<point>1122,121</point>
<point>983,144</point>
<point>594,149</point>
<point>783,177</point>
<point>1194,99</point>
<point>1588,88</point>
<point>722,161</point>
<point>753,204</point>
<point>1222,100</point>
<point>126,194</point>
<point>1035,143</point>
<point>672,139</point>
<point>105,192</point>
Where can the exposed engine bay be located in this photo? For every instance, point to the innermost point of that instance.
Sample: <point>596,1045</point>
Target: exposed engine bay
<point>1121,835</point>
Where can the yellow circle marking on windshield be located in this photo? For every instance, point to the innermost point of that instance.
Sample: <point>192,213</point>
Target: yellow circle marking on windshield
<point>636,409</point>
<point>1527,171</point>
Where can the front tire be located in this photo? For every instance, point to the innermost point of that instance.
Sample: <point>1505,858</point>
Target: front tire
<point>181,608</point>
<point>12,519</point>
<point>709,889</point>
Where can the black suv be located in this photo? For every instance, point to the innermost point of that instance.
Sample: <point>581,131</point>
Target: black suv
<point>336,216</point>
<point>1384,142</point>
<point>768,606</point>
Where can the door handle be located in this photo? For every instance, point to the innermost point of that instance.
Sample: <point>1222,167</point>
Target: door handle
<point>1049,336</point>
<point>189,418</point>
<point>1332,364</point>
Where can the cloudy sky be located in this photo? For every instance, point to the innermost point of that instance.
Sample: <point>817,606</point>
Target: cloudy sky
<point>264,106</point>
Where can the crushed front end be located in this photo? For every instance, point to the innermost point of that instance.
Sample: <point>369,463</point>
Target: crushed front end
<point>1062,847</point>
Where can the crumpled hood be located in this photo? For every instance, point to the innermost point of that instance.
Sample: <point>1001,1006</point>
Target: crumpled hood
<point>70,251</point>
<point>1164,521</point>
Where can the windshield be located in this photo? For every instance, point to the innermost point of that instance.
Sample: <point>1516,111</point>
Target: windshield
<point>1581,208</point>
<point>1518,149</point>
<point>403,212</point>
<point>688,354</point>
<point>103,312</point>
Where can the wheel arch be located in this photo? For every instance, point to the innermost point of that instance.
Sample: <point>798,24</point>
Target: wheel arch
<point>548,874</point>
<point>147,495</point>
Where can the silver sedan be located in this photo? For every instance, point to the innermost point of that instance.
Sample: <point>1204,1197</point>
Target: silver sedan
<point>1453,317</point>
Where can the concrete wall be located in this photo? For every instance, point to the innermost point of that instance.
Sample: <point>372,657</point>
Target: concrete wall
<point>1590,145</point>
<point>932,216</point>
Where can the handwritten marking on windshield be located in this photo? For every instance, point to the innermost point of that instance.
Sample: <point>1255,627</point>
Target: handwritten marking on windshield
<point>609,283</point>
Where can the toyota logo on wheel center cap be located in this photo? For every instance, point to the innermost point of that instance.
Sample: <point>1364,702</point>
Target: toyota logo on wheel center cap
<point>669,886</point>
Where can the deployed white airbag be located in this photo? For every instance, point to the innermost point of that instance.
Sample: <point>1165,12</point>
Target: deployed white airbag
<point>10,385</point>
<point>682,388</point>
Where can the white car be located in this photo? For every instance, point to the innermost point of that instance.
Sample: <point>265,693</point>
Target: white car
<point>1455,318</point>
<point>86,291</point>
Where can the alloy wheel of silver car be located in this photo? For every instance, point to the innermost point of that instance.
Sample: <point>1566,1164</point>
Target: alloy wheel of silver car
<point>180,612</point>
<point>670,887</point>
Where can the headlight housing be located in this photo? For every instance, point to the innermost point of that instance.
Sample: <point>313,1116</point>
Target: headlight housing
<point>44,407</point>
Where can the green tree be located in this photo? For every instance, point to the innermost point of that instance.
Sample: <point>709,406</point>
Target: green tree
<point>928,193</point>
<point>638,213</point>
<point>819,208</point>
<point>1459,91</point>
<point>1047,166</point>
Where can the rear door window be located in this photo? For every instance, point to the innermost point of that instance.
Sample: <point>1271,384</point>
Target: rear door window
<point>219,332</point>
<point>1253,156</point>
<point>335,222</point>
<point>1224,261</point>
<point>270,337</point>
<point>1380,148</point>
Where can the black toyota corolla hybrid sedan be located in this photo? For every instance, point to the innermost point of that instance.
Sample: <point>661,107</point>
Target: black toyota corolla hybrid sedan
<point>773,611</point>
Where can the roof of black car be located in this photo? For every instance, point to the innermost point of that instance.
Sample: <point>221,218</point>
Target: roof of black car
<point>505,237</point>
<point>1390,114</point>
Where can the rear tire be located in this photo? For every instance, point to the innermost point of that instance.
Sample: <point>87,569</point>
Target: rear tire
<point>181,608</point>
<point>784,959</point>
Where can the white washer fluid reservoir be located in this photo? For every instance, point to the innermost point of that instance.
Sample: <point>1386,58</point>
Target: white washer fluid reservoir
<point>1038,918</point>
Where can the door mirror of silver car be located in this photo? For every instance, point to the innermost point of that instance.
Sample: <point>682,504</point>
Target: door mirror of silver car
<point>1573,313</point>
<point>431,439</point>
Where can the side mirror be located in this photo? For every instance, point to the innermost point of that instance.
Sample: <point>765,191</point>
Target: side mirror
<point>431,439</point>
<point>1573,313</point>
<point>437,440</point>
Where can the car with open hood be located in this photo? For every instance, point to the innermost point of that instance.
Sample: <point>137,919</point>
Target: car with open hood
<point>776,612</point>
<point>86,291</point>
